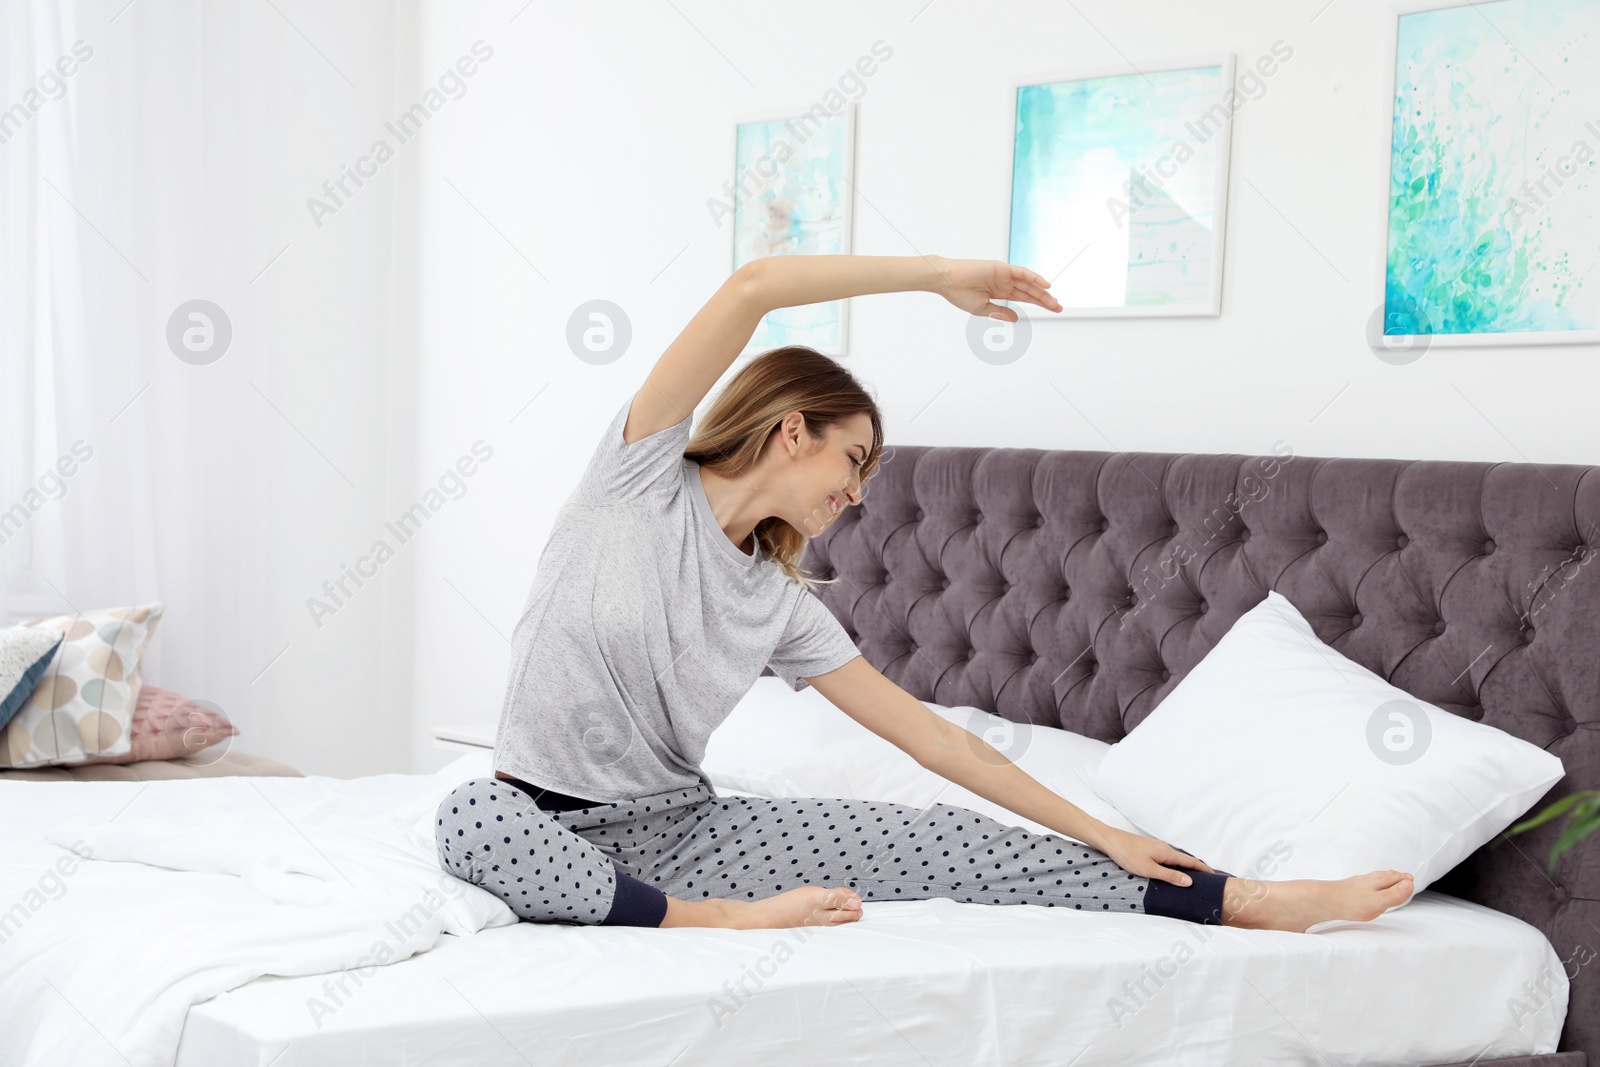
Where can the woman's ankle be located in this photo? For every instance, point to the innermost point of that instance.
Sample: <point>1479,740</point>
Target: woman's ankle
<point>710,912</point>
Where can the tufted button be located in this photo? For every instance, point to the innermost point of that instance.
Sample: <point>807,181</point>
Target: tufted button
<point>1355,620</point>
<point>971,652</point>
<point>944,583</point>
<point>1244,535</point>
<point>1438,627</point>
<point>1322,537</point>
<point>1204,607</point>
<point>1166,675</point>
<point>1032,657</point>
<point>977,518</point>
<point>1527,636</point>
<point>1488,547</point>
<point>1402,541</point>
<point>1090,665</point>
<point>1038,521</point>
<point>919,514</point>
<point>1005,587</point>
<point>1105,524</point>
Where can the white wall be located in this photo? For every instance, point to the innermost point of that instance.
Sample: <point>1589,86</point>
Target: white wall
<point>594,137</point>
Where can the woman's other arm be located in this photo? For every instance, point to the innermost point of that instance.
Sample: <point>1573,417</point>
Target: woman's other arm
<point>941,746</point>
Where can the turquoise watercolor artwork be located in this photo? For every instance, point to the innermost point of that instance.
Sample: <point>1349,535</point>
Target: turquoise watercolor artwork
<point>792,194</point>
<point>1494,173</point>
<point>1117,189</point>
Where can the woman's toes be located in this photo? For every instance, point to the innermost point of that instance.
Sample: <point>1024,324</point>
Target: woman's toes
<point>843,907</point>
<point>834,906</point>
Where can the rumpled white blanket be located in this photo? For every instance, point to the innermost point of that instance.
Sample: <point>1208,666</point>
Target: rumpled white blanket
<point>199,886</point>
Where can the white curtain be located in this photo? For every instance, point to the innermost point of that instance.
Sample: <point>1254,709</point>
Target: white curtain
<point>173,164</point>
<point>75,503</point>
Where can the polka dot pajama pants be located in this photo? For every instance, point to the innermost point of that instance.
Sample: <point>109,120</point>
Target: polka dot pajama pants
<point>614,864</point>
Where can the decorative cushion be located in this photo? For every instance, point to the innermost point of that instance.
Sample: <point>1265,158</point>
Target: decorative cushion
<point>24,656</point>
<point>1277,756</point>
<point>83,704</point>
<point>169,726</point>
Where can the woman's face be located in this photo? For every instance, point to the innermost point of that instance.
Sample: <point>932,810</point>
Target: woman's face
<point>824,472</point>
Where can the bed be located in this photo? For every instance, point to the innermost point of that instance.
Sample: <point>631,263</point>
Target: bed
<point>917,982</point>
<point>988,577</point>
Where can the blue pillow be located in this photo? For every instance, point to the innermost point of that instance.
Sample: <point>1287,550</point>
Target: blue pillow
<point>25,654</point>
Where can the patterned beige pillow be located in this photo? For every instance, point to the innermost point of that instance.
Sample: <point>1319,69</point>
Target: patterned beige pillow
<point>83,705</point>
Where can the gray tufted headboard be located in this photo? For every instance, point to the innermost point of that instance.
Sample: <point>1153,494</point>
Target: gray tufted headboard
<point>1075,589</point>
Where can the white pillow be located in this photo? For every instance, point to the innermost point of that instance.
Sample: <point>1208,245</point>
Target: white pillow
<point>1277,756</point>
<point>770,741</point>
<point>781,743</point>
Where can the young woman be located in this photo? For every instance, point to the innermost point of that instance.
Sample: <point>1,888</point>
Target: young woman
<point>672,578</point>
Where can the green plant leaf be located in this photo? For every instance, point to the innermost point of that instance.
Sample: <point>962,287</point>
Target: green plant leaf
<point>1554,810</point>
<point>1576,831</point>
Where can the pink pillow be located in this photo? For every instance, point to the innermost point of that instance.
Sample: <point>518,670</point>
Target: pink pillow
<point>169,726</point>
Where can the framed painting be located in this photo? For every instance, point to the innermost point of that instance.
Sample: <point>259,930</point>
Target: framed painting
<point>1119,182</point>
<point>793,188</point>
<point>1492,199</point>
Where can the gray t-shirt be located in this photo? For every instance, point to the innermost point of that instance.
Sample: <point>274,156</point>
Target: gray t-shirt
<point>645,626</point>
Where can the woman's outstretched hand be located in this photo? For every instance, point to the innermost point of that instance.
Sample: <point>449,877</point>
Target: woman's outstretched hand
<point>973,285</point>
<point>1148,857</point>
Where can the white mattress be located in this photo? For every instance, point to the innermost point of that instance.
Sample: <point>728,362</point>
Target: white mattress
<point>925,982</point>
<point>918,982</point>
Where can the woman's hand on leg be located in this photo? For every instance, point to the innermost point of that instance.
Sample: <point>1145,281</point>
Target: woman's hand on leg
<point>1148,857</point>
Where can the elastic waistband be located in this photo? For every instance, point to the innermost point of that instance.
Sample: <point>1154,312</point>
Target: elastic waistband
<point>549,799</point>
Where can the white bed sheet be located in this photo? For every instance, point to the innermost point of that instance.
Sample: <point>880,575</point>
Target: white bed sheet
<point>925,982</point>
<point>928,982</point>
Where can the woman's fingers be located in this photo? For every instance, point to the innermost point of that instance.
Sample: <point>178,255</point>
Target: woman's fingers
<point>1019,284</point>
<point>1167,874</point>
<point>1035,295</point>
<point>1024,275</point>
<point>1183,859</point>
<point>1030,282</point>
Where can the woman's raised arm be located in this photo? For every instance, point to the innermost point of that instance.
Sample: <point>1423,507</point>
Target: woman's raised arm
<point>717,334</point>
<point>694,361</point>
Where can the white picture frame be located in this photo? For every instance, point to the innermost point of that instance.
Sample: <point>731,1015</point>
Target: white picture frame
<point>1077,299</point>
<point>1377,337</point>
<point>798,325</point>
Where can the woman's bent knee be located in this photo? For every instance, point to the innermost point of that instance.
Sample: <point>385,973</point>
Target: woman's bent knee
<point>489,834</point>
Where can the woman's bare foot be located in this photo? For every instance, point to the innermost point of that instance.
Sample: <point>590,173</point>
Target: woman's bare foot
<point>809,905</point>
<point>1295,905</point>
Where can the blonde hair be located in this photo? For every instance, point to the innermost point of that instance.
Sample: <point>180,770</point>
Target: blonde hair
<point>729,439</point>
